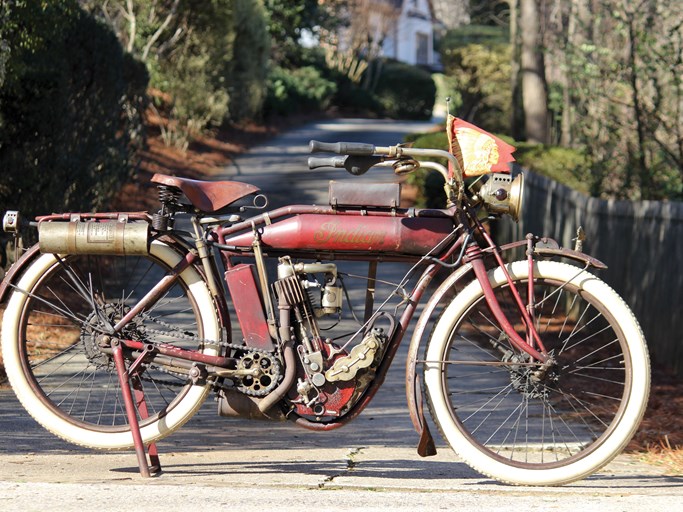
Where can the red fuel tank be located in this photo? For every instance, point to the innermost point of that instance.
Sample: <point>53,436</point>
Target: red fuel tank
<point>313,232</point>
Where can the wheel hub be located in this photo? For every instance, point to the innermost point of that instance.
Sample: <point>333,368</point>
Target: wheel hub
<point>531,381</point>
<point>93,327</point>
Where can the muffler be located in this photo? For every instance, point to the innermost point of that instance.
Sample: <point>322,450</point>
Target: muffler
<point>234,404</point>
<point>94,236</point>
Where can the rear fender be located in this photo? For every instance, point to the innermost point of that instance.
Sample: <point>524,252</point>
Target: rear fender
<point>16,271</point>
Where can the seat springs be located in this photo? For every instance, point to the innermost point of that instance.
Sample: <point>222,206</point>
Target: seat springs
<point>169,199</point>
<point>169,196</point>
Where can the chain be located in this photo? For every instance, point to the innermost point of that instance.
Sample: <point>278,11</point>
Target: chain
<point>168,383</point>
<point>259,386</point>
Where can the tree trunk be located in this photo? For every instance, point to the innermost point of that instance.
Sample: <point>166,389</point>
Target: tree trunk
<point>517,118</point>
<point>534,89</point>
<point>578,32</point>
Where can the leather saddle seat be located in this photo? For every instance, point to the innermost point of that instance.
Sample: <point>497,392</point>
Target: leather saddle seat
<point>208,196</point>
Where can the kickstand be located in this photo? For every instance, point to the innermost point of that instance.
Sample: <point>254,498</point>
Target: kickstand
<point>155,463</point>
<point>145,468</point>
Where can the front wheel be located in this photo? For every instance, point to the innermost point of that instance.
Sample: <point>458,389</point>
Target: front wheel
<point>67,381</point>
<point>512,419</point>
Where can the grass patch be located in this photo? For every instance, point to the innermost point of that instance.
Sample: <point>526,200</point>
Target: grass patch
<point>665,456</point>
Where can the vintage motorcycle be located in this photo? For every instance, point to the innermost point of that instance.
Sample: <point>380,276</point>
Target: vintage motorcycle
<point>117,326</point>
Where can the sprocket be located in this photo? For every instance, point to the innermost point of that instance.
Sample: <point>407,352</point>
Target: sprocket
<point>93,326</point>
<point>266,373</point>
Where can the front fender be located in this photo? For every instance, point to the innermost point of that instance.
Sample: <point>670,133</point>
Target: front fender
<point>553,249</point>
<point>426,445</point>
<point>413,389</point>
<point>581,257</point>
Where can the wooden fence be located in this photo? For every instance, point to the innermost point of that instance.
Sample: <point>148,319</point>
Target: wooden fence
<point>641,242</point>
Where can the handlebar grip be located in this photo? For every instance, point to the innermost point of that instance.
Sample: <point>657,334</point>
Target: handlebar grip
<point>342,148</point>
<point>315,162</point>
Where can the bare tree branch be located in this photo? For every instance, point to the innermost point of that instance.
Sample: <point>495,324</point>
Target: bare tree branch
<point>132,24</point>
<point>160,30</point>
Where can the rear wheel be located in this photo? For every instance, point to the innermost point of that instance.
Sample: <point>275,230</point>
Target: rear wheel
<point>62,375</point>
<point>519,422</point>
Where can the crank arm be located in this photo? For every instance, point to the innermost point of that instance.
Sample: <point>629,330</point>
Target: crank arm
<point>245,372</point>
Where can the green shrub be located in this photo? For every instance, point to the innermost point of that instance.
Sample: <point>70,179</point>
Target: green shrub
<point>405,91</point>
<point>70,110</point>
<point>354,99</point>
<point>432,140</point>
<point>217,72</point>
<point>568,166</point>
<point>209,60</point>
<point>388,88</point>
<point>298,90</point>
<point>477,67</point>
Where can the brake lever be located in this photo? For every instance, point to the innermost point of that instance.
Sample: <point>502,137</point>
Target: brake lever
<point>354,164</point>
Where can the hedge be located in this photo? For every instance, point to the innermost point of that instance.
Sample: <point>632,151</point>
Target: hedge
<point>70,110</point>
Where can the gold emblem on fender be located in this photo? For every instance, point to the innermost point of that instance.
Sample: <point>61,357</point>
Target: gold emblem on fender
<point>333,232</point>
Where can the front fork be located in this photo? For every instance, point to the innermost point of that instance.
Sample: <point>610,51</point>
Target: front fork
<point>532,345</point>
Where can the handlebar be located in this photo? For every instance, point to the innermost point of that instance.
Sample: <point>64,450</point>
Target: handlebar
<point>315,162</point>
<point>359,157</point>
<point>342,148</point>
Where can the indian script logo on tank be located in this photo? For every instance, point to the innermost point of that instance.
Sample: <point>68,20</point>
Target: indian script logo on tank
<point>333,232</point>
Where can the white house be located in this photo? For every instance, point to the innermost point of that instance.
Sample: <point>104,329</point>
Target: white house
<point>409,33</point>
<point>398,29</point>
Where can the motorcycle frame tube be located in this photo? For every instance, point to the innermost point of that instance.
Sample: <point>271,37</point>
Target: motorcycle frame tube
<point>156,292</point>
<point>222,233</point>
<point>474,254</point>
<point>476,264</point>
<point>494,306</point>
<point>190,259</point>
<point>181,353</point>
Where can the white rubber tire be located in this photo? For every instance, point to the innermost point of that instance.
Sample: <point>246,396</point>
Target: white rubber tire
<point>58,425</point>
<point>482,461</point>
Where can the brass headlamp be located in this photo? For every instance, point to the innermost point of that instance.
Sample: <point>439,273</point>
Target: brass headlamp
<point>503,194</point>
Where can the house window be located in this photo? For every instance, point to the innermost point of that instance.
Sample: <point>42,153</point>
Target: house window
<point>422,49</point>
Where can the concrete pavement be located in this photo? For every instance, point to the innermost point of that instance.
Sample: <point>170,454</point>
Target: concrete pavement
<point>360,478</point>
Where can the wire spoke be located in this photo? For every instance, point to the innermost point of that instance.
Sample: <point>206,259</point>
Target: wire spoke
<point>527,412</point>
